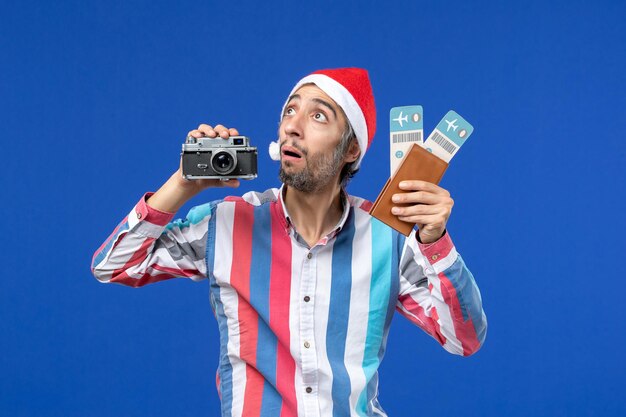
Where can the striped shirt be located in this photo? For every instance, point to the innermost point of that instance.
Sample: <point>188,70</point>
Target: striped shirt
<point>302,329</point>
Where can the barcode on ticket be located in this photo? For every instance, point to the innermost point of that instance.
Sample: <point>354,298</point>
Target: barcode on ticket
<point>443,142</point>
<point>448,137</point>
<point>405,137</point>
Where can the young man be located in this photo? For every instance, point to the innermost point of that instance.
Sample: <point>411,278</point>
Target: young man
<point>303,281</point>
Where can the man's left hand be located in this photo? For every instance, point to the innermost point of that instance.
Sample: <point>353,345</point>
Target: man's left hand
<point>425,204</point>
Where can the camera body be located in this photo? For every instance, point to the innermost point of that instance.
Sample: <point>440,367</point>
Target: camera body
<point>217,158</point>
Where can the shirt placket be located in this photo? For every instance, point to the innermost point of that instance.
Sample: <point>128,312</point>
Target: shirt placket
<point>308,347</point>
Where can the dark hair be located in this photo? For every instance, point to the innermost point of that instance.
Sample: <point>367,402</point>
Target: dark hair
<point>348,171</point>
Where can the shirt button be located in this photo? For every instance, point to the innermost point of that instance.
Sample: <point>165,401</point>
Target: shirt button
<point>307,345</point>
<point>309,255</point>
<point>309,390</point>
<point>434,257</point>
<point>139,215</point>
<point>307,298</point>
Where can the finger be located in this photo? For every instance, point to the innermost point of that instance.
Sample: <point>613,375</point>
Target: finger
<point>417,185</point>
<point>421,197</point>
<point>420,209</point>
<point>208,183</point>
<point>233,131</point>
<point>207,130</point>
<point>195,133</point>
<point>430,220</point>
<point>231,183</point>
<point>222,131</point>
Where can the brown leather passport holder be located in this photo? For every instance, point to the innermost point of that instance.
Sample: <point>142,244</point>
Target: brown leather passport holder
<point>418,164</point>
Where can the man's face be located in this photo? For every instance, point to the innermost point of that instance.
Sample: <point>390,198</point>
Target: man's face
<point>309,132</point>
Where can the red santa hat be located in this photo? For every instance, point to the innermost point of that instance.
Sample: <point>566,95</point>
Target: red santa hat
<point>350,88</point>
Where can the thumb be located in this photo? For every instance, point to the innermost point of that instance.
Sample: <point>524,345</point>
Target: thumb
<point>231,183</point>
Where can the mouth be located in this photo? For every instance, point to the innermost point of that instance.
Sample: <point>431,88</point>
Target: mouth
<point>290,153</point>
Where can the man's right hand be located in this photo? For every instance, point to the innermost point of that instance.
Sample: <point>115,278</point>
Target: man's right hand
<point>178,190</point>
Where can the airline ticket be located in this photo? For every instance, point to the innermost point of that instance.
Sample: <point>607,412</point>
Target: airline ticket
<point>406,126</point>
<point>449,135</point>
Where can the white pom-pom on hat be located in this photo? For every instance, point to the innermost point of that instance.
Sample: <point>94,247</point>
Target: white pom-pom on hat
<point>274,151</point>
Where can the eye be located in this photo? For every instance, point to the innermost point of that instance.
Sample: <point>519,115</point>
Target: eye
<point>320,117</point>
<point>290,111</point>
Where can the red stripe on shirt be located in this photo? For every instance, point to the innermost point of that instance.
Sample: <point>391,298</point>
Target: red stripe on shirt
<point>144,279</point>
<point>366,205</point>
<point>233,198</point>
<point>218,384</point>
<point>437,251</point>
<point>280,296</point>
<point>248,317</point>
<point>464,330</point>
<point>176,272</point>
<point>121,275</point>
<point>429,324</point>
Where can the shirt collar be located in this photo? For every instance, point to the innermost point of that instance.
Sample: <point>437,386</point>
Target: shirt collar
<point>344,216</point>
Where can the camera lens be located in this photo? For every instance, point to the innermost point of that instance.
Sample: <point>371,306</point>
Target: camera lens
<point>223,162</point>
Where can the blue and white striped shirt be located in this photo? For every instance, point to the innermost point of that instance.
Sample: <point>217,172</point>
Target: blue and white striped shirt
<point>302,329</point>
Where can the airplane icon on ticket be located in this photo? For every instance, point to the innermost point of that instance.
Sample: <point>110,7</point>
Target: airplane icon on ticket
<point>451,125</point>
<point>400,119</point>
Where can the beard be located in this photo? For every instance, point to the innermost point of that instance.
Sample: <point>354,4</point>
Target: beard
<point>320,170</point>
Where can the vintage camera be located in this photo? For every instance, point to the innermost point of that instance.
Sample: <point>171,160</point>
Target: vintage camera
<point>217,158</point>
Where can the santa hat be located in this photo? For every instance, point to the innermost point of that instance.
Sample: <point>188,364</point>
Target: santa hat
<point>350,88</point>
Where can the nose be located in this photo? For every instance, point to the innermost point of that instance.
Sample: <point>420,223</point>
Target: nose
<point>292,126</point>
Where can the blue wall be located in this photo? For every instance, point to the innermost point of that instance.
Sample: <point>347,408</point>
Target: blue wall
<point>97,97</point>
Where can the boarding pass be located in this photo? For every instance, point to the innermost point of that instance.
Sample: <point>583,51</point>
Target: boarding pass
<point>449,135</point>
<point>406,126</point>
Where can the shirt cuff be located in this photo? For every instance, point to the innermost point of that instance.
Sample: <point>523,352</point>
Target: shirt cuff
<point>148,221</point>
<point>146,213</point>
<point>438,250</point>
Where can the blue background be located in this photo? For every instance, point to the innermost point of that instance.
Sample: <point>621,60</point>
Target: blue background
<point>97,97</point>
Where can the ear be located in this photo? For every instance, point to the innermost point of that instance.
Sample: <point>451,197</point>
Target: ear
<point>354,151</point>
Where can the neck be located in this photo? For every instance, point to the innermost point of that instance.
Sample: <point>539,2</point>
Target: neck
<point>314,214</point>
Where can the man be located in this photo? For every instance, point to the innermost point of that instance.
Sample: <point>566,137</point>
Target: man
<point>303,281</point>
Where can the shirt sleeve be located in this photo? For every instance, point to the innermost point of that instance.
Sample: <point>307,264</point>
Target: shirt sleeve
<point>145,247</point>
<point>439,294</point>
